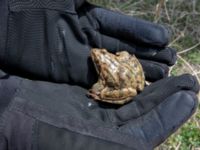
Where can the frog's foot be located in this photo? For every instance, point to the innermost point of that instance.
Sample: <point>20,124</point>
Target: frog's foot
<point>120,96</point>
<point>92,94</point>
<point>117,102</point>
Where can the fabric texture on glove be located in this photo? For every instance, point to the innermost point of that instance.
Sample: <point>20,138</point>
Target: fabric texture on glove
<point>49,40</point>
<point>3,26</point>
<point>51,111</point>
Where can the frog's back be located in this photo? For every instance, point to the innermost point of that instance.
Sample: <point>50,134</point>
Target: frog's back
<point>138,71</point>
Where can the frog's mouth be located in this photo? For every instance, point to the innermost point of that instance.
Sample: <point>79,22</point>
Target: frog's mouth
<point>95,54</point>
<point>96,65</point>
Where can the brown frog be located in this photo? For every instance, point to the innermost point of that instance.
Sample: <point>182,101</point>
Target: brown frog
<point>120,76</point>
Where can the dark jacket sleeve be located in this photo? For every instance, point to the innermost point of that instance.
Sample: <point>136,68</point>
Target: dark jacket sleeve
<point>3,26</point>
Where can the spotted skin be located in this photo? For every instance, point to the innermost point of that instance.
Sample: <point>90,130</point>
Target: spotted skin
<point>120,76</point>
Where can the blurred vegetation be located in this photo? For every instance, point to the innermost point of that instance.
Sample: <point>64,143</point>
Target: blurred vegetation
<point>183,17</point>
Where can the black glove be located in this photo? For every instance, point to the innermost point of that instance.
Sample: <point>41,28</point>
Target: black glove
<point>48,116</point>
<point>48,40</point>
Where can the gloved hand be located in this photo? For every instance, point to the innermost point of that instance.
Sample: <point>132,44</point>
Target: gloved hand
<point>47,116</point>
<point>48,40</point>
<point>51,40</point>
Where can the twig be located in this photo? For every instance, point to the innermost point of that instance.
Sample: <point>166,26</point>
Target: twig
<point>194,6</point>
<point>188,49</point>
<point>197,73</point>
<point>166,11</point>
<point>178,146</point>
<point>136,13</point>
<point>173,7</point>
<point>158,10</point>
<point>197,123</point>
<point>177,38</point>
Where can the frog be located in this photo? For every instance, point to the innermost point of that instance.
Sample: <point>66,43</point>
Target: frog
<point>120,76</point>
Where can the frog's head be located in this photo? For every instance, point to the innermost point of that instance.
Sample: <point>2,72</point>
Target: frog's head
<point>101,58</point>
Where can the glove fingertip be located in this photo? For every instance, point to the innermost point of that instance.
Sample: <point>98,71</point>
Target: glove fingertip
<point>193,99</point>
<point>173,56</point>
<point>189,82</point>
<point>166,35</point>
<point>153,70</point>
<point>181,105</point>
<point>196,85</point>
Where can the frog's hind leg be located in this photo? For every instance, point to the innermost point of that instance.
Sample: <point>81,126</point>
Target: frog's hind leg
<point>94,92</point>
<point>119,96</point>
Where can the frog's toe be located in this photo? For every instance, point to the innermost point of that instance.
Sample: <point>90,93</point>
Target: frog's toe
<point>93,95</point>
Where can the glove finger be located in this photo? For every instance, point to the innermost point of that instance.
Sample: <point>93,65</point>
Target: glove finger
<point>129,28</point>
<point>153,70</point>
<point>163,120</point>
<point>155,94</point>
<point>167,55</point>
<point>163,55</point>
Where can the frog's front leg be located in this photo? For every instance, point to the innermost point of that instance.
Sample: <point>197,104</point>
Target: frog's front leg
<point>119,96</point>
